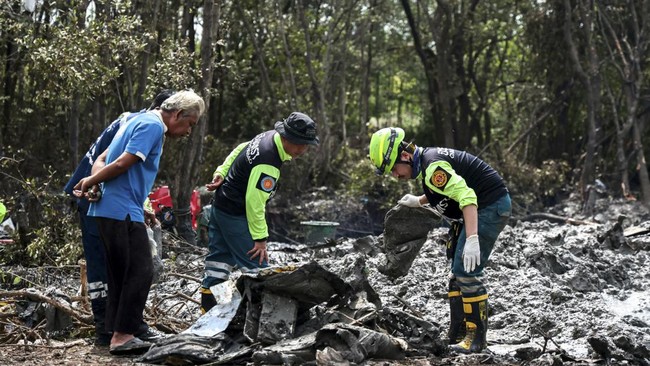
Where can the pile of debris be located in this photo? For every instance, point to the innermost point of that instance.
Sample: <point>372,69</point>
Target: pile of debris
<point>299,314</point>
<point>564,290</point>
<point>295,316</point>
<point>562,293</point>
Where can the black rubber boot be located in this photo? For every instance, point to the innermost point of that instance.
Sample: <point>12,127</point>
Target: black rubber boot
<point>207,300</point>
<point>456,313</point>
<point>476,318</point>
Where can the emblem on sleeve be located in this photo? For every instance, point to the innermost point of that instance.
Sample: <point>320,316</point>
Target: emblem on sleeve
<point>440,178</point>
<point>266,183</point>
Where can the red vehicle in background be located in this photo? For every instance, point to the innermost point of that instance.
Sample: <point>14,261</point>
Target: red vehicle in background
<point>161,202</point>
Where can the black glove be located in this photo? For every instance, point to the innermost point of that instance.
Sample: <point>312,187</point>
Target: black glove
<point>454,233</point>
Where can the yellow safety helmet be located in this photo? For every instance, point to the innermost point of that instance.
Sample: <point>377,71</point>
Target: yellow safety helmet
<point>384,148</point>
<point>3,212</point>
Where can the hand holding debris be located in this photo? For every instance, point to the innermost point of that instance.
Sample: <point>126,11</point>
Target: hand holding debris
<point>259,250</point>
<point>471,253</point>
<point>410,200</point>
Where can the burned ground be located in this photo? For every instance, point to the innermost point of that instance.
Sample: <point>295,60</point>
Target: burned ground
<point>560,294</point>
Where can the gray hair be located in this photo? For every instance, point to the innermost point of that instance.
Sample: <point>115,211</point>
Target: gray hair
<point>185,100</point>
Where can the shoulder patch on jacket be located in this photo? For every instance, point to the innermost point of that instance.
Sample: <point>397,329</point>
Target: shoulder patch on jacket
<point>440,178</point>
<point>266,183</point>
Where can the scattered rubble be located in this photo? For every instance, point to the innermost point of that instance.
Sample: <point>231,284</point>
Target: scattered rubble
<point>561,293</point>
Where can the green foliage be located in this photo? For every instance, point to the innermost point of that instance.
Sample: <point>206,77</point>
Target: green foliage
<point>384,191</point>
<point>59,244</point>
<point>87,58</point>
<point>174,69</point>
<point>9,280</point>
<point>65,76</point>
<point>47,232</point>
<point>536,187</point>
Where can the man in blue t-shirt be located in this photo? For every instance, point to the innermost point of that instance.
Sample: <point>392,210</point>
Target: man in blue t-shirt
<point>126,172</point>
<point>93,248</point>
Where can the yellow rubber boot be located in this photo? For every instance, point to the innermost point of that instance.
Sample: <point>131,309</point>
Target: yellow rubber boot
<point>476,324</point>
<point>207,300</point>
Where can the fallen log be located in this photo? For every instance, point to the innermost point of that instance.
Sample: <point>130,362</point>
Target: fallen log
<point>78,342</point>
<point>34,296</point>
<point>188,277</point>
<point>556,218</point>
<point>635,230</point>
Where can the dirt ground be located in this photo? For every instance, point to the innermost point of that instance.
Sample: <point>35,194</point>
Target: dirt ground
<point>79,353</point>
<point>560,294</point>
<point>89,355</point>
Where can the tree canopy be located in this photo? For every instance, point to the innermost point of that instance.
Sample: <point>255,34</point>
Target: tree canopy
<point>555,87</point>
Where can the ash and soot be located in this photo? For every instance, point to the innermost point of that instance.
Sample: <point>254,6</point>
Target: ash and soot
<point>562,292</point>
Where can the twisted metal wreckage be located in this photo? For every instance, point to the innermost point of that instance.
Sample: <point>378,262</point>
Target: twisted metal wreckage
<point>294,315</point>
<point>306,313</point>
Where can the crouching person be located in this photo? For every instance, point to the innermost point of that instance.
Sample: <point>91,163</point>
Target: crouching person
<point>237,228</point>
<point>459,186</point>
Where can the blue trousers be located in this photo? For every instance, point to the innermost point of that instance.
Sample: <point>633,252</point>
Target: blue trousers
<point>95,263</point>
<point>491,221</point>
<point>229,242</point>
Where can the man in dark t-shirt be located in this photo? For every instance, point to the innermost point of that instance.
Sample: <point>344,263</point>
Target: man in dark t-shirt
<point>243,184</point>
<point>462,188</point>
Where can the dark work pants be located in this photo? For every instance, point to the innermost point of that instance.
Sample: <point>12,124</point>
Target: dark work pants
<point>229,243</point>
<point>95,264</point>
<point>129,267</point>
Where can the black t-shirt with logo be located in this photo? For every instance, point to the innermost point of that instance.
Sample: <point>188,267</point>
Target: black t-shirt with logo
<point>477,174</point>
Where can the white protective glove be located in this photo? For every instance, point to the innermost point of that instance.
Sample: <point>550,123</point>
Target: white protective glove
<point>471,253</point>
<point>410,200</point>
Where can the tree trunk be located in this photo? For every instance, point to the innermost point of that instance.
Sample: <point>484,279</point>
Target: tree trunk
<point>291,74</point>
<point>366,67</point>
<point>443,95</point>
<point>343,100</point>
<point>338,68</point>
<point>641,166</point>
<point>590,78</point>
<point>150,22</point>
<point>259,53</point>
<point>189,163</point>
<point>621,159</point>
<point>640,49</point>
<point>629,45</point>
<point>428,60</point>
<point>321,162</point>
<point>187,24</point>
<point>73,130</point>
<point>400,103</point>
<point>215,114</point>
<point>11,63</point>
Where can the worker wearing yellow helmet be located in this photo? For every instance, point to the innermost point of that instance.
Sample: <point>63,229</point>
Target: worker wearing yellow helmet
<point>468,192</point>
